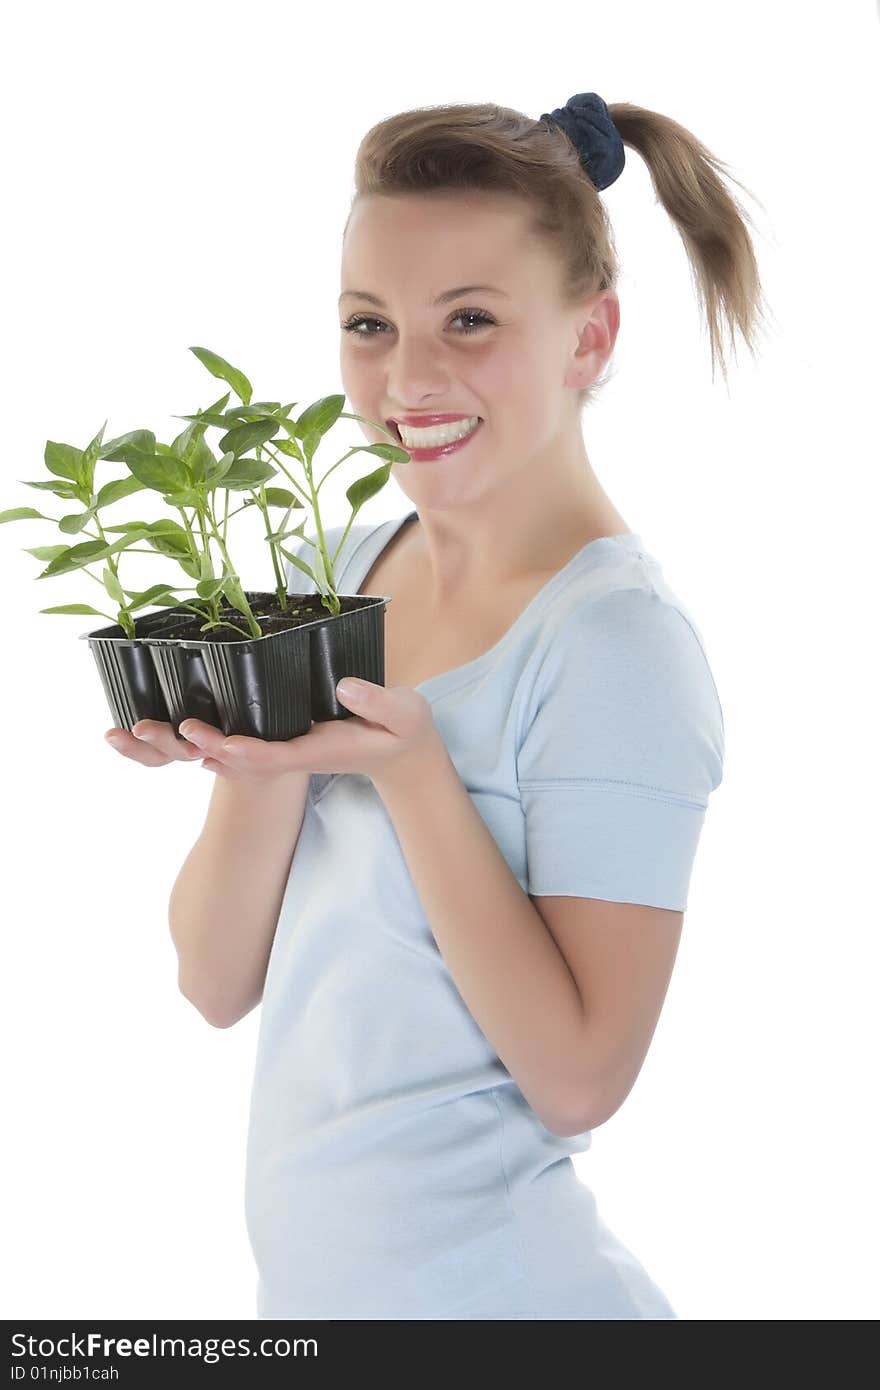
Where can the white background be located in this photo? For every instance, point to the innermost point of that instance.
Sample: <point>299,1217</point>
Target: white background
<point>180,174</point>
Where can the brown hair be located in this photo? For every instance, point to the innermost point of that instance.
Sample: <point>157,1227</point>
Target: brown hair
<point>494,148</point>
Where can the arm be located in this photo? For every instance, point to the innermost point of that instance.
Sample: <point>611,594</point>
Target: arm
<point>567,990</point>
<point>504,961</point>
<point>622,955</point>
<point>225,901</point>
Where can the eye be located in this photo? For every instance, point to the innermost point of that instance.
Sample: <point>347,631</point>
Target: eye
<point>483,321</point>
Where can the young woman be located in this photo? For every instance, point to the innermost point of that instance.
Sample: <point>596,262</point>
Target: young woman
<point>461,907</point>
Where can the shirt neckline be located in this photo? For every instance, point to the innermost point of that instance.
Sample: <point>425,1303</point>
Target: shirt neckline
<point>446,681</point>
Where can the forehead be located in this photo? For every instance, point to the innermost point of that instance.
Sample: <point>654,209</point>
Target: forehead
<point>438,240</point>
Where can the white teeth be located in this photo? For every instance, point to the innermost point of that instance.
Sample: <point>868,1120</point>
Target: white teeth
<point>437,434</point>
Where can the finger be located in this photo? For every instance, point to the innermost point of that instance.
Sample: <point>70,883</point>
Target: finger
<point>223,770</point>
<point>160,734</point>
<point>205,738</point>
<point>135,749</point>
<point>255,757</point>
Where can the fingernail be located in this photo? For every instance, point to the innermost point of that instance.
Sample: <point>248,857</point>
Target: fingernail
<point>350,689</point>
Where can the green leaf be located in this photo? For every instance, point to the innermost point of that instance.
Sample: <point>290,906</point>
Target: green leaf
<point>320,416</point>
<point>218,471</point>
<point>169,539</point>
<point>320,571</point>
<point>276,536</point>
<point>76,556</point>
<point>364,488</point>
<point>243,437</point>
<point>46,552</point>
<point>115,491</point>
<point>234,593</point>
<point>190,497</point>
<point>64,460</point>
<point>206,567</point>
<point>160,473</point>
<point>280,497</point>
<point>287,446</point>
<point>67,490</point>
<point>22,514</point>
<point>89,458</point>
<point>210,588</point>
<point>151,526</point>
<point>161,600</point>
<point>247,473</point>
<point>112,585</point>
<point>256,410</point>
<point>77,608</point>
<point>139,443</point>
<point>218,367</point>
<point>156,594</point>
<point>311,440</point>
<point>211,414</point>
<point>75,521</point>
<point>392,452</point>
<point>210,417</point>
<point>164,536</point>
<point>296,561</point>
<point>191,448</point>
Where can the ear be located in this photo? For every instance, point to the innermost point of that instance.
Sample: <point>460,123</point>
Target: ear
<point>596,325</point>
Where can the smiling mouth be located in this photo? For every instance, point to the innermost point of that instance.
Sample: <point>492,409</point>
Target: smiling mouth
<point>395,428</point>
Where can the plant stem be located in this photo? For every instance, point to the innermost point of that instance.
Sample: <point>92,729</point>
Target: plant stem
<point>280,588</point>
<point>332,467</point>
<point>286,472</point>
<point>330,600</point>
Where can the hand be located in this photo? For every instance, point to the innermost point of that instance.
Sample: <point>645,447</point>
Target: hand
<point>153,743</point>
<point>392,733</point>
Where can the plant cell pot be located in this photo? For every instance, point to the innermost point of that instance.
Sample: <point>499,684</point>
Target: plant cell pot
<point>270,687</point>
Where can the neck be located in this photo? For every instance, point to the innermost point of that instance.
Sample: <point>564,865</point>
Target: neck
<point>511,535</point>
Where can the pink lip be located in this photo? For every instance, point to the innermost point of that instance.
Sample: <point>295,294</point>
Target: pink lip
<point>439,451</point>
<point>423,422</point>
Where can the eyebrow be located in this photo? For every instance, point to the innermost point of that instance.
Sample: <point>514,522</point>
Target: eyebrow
<point>441,298</point>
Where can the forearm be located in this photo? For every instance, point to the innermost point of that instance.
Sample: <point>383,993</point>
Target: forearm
<point>225,901</point>
<point>500,954</point>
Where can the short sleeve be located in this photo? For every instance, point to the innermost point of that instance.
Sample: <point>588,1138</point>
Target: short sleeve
<point>623,742</point>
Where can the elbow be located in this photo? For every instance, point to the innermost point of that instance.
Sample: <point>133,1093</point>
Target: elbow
<point>589,1106</point>
<point>211,1011</point>
<point>567,1125</point>
<point>219,1020</point>
<point>216,1018</point>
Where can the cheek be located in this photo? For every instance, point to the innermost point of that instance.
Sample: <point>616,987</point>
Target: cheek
<point>362,384</point>
<point>516,387</point>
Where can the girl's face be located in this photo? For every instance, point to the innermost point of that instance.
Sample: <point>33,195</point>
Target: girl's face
<point>505,353</point>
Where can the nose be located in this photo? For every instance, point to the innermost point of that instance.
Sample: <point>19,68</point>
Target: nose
<point>416,372</point>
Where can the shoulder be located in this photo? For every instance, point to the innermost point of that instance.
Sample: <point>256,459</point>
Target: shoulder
<point>624,684</point>
<point>624,636</point>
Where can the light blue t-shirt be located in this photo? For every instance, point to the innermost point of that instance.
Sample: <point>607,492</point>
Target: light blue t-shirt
<point>394,1168</point>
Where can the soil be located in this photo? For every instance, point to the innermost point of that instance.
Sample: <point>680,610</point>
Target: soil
<point>302,608</point>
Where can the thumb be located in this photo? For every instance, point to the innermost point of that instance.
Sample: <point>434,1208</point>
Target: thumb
<point>400,709</point>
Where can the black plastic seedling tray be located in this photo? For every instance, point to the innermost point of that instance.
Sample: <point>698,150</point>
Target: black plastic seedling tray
<point>270,687</point>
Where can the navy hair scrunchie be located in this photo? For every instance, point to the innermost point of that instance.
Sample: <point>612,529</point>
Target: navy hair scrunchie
<point>587,122</point>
